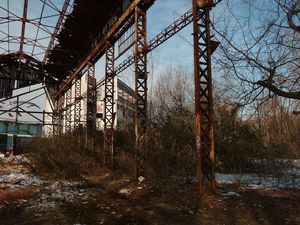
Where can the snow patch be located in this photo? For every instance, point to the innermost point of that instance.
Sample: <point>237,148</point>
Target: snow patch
<point>231,193</point>
<point>255,181</point>
<point>17,180</point>
<point>60,192</point>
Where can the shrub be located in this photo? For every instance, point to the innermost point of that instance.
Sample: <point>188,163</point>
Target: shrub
<point>64,156</point>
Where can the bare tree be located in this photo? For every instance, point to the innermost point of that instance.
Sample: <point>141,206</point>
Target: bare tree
<point>260,42</point>
<point>172,94</point>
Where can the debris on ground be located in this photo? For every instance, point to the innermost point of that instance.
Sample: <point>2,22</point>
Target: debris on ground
<point>16,164</point>
<point>116,198</point>
<point>16,180</point>
<point>141,179</point>
<point>125,191</point>
<point>59,192</point>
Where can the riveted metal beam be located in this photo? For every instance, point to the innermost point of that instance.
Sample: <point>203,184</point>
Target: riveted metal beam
<point>109,104</point>
<point>58,117</point>
<point>68,114</point>
<point>91,100</point>
<point>204,131</point>
<point>77,106</point>
<point>140,61</point>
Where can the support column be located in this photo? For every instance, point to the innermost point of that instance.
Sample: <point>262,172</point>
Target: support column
<point>55,123</point>
<point>204,130</point>
<point>109,102</point>
<point>58,117</point>
<point>68,116</point>
<point>140,60</point>
<point>77,106</point>
<point>91,107</point>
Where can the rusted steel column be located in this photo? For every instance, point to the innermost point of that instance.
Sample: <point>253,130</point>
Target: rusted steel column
<point>203,100</point>
<point>91,107</point>
<point>68,115</point>
<point>77,106</point>
<point>24,20</point>
<point>55,123</point>
<point>109,104</point>
<point>140,61</point>
<point>58,117</point>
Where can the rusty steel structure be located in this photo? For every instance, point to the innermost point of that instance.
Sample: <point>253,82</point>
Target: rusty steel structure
<point>68,112</point>
<point>109,102</point>
<point>204,131</point>
<point>58,117</point>
<point>140,63</point>
<point>91,101</point>
<point>63,64</point>
<point>77,107</point>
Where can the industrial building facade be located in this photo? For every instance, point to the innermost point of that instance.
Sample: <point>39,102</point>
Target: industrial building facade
<point>124,107</point>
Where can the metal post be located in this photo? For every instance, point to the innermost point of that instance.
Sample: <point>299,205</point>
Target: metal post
<point>140,59</point>
<point>109,102</point>
<point>58,118</point>
<point>55,123</point>
<point>61,102</point>
<point>203,99</point>
<point>91,107</point>
<point>68,118</point>
<point>17,110</point>
<point>77,107</point>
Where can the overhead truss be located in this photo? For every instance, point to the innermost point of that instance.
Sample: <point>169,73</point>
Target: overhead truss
<point>131,31</point>
<point>38,33</point>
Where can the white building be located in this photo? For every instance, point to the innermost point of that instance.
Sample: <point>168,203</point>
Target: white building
<point>124,97</point>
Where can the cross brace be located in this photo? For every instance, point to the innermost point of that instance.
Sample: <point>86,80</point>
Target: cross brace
<point>204,131</point>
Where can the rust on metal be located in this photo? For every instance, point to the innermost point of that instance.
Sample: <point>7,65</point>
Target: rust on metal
<point>140,61</point>
<point>98,49</point>
<point>68,115</point>
<point>77,107</point>
<point>24,20</point>
<point>56,29</point>
<point>204,134</point>
<point>91,104</point>
<point>109,104</point>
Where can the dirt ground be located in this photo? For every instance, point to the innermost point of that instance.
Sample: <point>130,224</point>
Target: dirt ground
<point>114,198</point>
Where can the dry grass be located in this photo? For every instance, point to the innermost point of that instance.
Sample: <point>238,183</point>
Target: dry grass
<point>64,157</point>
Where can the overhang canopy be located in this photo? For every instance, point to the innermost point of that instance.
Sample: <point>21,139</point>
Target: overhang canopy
<point>87,22</point>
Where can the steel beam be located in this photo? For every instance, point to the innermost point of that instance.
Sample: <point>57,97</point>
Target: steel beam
<point>56,29</point>
<point>91,99</point>
<point>100,46</point>
<point>109,102</point>
<point>24,20</point>
<point>140,61</point>
<point>77,107</point>
<point>204,131</point>
<point>58,118</point>
<point>162,37</point>
<point>68,115</point>
<point>159,39</point>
